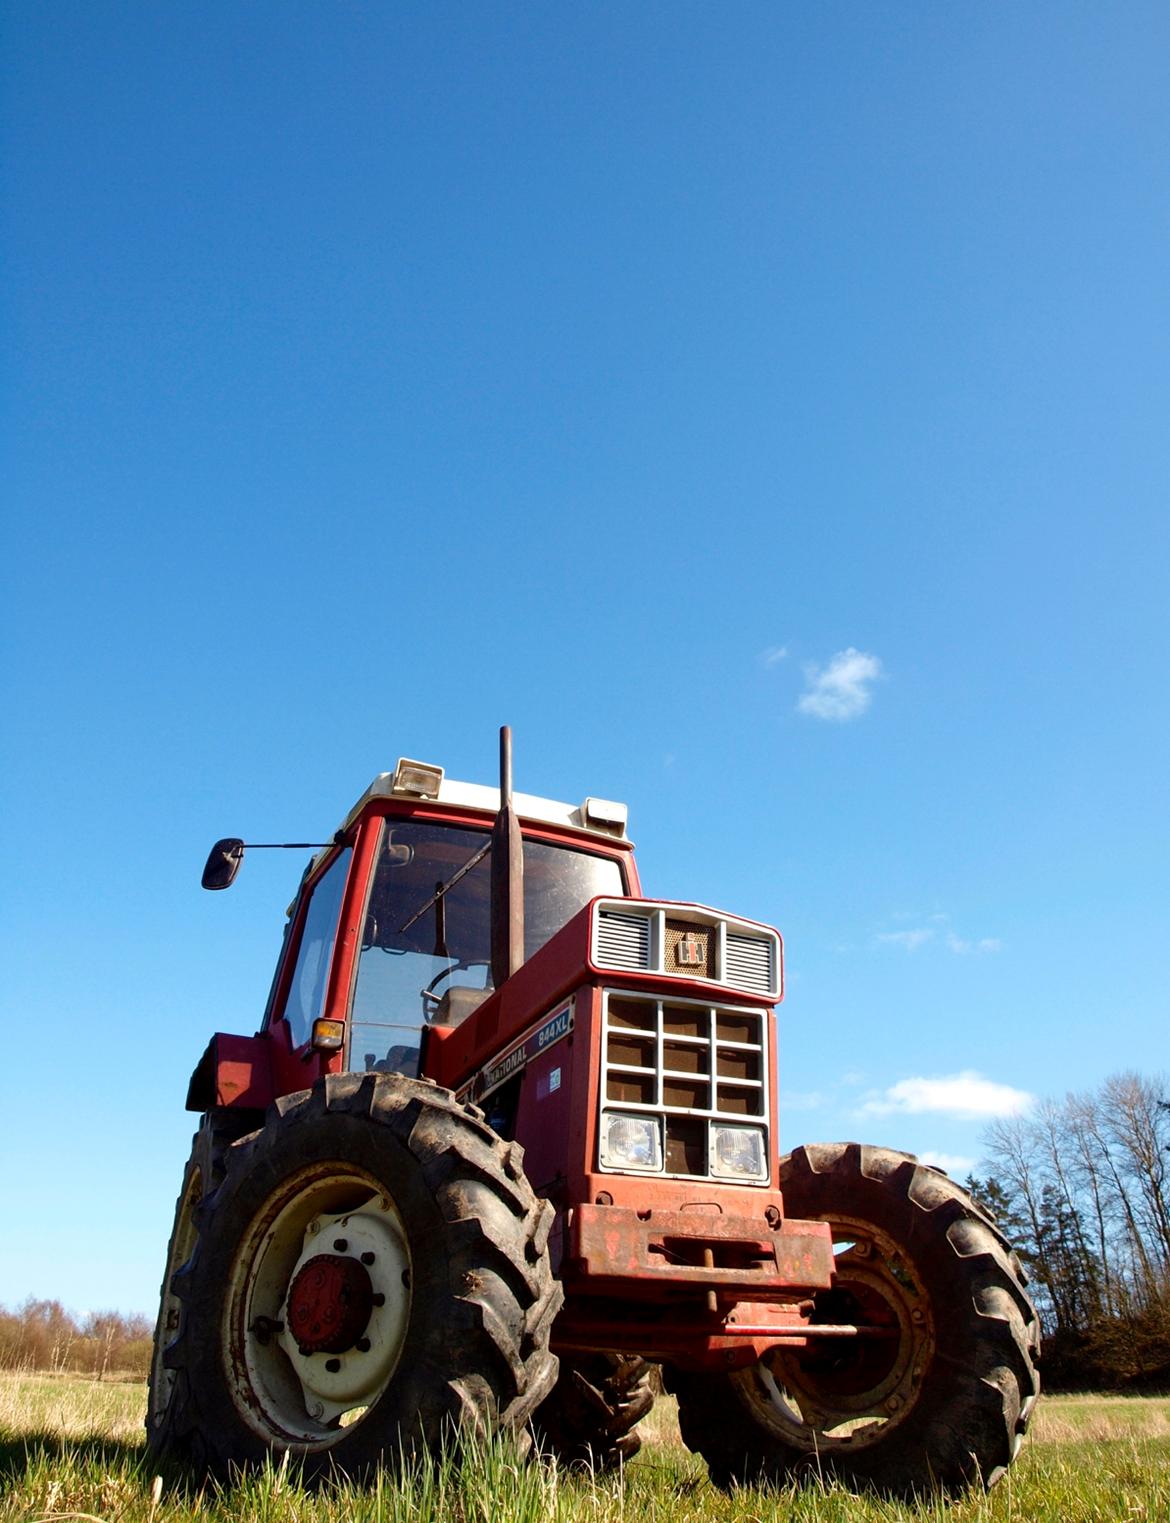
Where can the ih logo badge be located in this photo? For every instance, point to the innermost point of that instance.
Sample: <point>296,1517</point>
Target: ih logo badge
<point>689,951</point>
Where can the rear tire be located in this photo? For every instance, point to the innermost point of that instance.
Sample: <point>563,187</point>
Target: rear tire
<point>941,1404</point>
<point>590,1419</point>
<point>203,1172</point>
<point>424,1219</point>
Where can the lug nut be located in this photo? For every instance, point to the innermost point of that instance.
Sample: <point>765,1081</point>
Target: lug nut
<point>362,1345</point>
<point>367,1258</point>
<point>264,1327</point>
<point>333,1365</point>
<point>341,1244</point>
<point>379,1298</point>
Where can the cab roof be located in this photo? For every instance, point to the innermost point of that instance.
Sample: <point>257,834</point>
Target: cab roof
<point>421,782</point>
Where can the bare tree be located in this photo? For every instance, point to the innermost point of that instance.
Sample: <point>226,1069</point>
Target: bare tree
<point>1140,1127</point>
<point>1086,1184</point>
<point>1086,1168</point>
<point>1051,1132</point>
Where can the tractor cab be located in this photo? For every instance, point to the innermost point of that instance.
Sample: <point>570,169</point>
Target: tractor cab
<point>391,931</point>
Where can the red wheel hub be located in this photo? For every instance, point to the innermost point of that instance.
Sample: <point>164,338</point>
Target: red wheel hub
<point>329,1304</point>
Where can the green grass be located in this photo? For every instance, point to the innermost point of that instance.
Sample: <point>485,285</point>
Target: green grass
<point>73,1449</point>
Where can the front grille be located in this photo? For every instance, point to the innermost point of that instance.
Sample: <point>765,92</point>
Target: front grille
<point>687,943</point>
<point>690,1063</point>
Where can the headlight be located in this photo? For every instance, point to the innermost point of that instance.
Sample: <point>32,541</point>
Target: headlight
<point>737,1152</point>
<point>631,1142</point>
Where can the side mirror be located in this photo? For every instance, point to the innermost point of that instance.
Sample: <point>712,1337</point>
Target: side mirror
<point>223,863</point>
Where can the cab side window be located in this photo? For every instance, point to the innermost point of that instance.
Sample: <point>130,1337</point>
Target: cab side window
<point>310,977</point>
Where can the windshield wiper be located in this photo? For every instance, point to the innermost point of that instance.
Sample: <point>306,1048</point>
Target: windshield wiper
<point>450,883</point>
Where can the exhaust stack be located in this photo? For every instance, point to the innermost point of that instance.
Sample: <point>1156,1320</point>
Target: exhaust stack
<point>507,876</point>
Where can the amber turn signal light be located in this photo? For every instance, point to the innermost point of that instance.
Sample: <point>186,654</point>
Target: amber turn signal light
<point>328,1035</point>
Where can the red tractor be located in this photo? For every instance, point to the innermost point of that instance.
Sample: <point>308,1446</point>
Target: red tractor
<point>507,1135</point>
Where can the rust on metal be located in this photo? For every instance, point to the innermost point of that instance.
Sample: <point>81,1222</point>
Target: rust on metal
<point>730,1254</point>
<point>507,881</point>
<point>712,1294</point>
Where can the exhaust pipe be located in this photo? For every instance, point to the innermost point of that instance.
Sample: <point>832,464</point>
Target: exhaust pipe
<point>507,912</point>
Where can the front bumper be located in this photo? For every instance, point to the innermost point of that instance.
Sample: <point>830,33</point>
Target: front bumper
<point>616,1249</point>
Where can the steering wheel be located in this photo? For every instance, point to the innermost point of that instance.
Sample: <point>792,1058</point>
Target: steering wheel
<point>431,1000</point>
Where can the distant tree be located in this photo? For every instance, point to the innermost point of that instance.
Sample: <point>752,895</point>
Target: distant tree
<point>1011,1219</point>
<point>1082,1188</point>
<point>1071,1276</point>
<point>42,1335</point>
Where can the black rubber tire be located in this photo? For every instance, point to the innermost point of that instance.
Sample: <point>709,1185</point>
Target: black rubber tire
<point>203,1172</point>
<point>946,1404</point>
<point>589,1420</point>
<point>482,1299</point>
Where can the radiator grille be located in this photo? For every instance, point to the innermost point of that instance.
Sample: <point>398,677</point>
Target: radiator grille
<point>692,1065</point>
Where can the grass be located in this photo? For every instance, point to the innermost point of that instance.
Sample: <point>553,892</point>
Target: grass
<point>72,1449</point>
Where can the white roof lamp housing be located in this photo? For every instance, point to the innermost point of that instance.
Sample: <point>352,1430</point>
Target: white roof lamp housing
<point>419,779</point>
<point>606,815</point>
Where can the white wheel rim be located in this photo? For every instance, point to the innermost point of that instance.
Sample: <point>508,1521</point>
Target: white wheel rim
<point>283,1391</point>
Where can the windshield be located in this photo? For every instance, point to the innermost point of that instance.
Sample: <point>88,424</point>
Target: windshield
<point>417,947</point>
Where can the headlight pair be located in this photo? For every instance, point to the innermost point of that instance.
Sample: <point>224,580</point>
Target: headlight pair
<point>635,1142</point>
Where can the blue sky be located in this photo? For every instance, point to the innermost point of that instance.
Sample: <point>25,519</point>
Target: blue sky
<point>762,409</point>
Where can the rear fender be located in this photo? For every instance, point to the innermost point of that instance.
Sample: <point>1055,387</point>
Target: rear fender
<point>234,1071</point>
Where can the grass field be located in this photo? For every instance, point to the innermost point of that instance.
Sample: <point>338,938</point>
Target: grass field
<point>70,1449</point>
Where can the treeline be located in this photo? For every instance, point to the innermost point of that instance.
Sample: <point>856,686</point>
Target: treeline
<point>105,1345</point>
<point>1081,1187</point>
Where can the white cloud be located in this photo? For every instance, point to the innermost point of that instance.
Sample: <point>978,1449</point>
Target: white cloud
<point>840,690</point>
<point>910,940</point>
<point>954,1164</point>
<point>918,936</point>
<point>962,945</point>
<point>773,655</point>
<point>965,1096</point>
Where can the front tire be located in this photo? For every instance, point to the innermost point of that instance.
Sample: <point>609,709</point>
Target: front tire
<point>941,1401</point>
<point>590,1419</point>
<point>370,1278</point>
